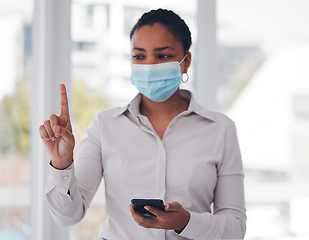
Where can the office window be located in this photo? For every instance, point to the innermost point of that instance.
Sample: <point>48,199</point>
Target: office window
<point>82,46</point>
<point>263,55</point>
<point>15,72</point>
<point>131,15</point>
<point>91,15</point>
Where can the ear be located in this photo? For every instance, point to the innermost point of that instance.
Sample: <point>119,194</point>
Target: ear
<point>187,62</point>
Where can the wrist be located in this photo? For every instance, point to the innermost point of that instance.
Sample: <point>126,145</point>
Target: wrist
<point>185,222</point>
<point>60,165</point>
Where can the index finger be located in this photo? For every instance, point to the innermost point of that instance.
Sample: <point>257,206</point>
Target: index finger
<point>64,103</point>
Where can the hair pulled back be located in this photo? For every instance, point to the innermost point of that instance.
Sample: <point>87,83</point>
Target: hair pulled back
<point>173,23</point>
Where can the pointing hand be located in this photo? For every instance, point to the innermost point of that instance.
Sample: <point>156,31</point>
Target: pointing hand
<point>57,135</point>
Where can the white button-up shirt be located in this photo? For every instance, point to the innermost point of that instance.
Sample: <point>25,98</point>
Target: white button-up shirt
<point>196,163</point>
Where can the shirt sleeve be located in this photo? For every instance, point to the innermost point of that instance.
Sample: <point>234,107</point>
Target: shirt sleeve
<point>228,220</point>
<point>69,192</point>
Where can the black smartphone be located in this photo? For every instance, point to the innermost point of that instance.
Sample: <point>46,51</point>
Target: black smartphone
<point>139,204</point>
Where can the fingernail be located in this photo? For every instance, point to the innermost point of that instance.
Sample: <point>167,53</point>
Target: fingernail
<point>147,208</point>
<point>47,139</point>
<point>56,129</point>
<point>167,206</point>
<point>53,139</point>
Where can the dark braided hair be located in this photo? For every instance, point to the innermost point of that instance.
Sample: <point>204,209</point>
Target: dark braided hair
<point>174,24</point>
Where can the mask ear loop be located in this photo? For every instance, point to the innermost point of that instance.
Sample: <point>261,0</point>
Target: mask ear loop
<point>187,77</point>
<point>183,59</point>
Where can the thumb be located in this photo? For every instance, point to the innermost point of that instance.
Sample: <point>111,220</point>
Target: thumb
<point>173,207</point>
<point>63,132</point>
<point>153,210</point>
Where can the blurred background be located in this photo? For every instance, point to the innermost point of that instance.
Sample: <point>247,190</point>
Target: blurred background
<point>262,79</point>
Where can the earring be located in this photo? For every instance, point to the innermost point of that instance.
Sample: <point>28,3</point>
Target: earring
<point>186,79</point>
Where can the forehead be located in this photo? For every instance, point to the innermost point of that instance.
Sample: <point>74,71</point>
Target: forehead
<point>154,36</point>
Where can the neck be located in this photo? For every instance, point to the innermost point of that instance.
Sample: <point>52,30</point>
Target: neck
<point>171,107</point>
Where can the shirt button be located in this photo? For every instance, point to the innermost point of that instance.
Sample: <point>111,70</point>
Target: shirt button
<point>66,177</point>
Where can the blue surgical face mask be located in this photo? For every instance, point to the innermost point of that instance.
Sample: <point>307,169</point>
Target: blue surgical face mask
<point>158,82</point>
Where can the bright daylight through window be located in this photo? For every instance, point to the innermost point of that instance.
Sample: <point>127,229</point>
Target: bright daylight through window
<point>263,69</point>
<point>15,72</point>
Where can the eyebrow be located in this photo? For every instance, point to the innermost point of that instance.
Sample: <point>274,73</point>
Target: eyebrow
<point>163,48</point>
<point>155,50</point>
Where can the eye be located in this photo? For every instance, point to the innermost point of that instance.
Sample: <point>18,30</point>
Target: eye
<point>138,57</point>
<point>164,56</point>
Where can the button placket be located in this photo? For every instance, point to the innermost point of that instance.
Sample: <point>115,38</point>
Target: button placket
<point>161,179</point>
<point>161,170</point>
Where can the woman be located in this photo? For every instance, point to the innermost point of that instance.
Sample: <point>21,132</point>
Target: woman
<point>163,144</point>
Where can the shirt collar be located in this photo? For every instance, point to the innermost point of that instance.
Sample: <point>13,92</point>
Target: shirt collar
<point>132,107</point>
<point>194,107</point>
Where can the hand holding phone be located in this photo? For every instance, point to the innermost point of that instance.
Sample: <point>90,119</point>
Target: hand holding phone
<point>139,206</point>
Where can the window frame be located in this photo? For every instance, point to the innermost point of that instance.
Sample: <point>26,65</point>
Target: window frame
<point>51,65</point>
